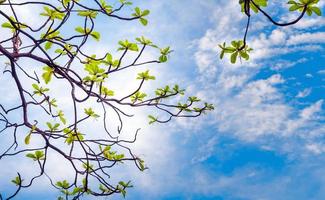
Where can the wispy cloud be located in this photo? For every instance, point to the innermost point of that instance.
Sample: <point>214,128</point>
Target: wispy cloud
<point>304,93</point>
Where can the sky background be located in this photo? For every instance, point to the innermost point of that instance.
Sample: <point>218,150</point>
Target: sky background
<point>265,139</point>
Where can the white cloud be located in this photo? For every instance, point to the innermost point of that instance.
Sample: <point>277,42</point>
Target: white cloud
<point>254,111</point>
<point>308,118</point>
<point>232,81</point>
<point>250,182</point>
<point>302,94</point>
<point>251,108</point>
<point>284,64</point>
<point>205,151</point>
<point>316,148</point>
<point>321,72</point>
<point>261,91</point>
<point>277,37</point>
<point>306,23</point>
<point>307,38</point>
<point>310,111</point>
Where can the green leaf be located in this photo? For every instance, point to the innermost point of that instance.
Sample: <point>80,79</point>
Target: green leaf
<point>104,189</point>
<point>89,167</point>
<point>233,57</point>
<point>165,51</point>
<point>143,21</point>
<point>128,45</point>
<point>144,41</point>
<point>138,96</point>
<point>76,191</point>
<point>39,155</point>
<point>52,127</point>
<point>122,185</point>
<point>294,7</point>
<point>66,2</point>
<point>81,30</point>
<point>53,103</point>
<point>90,112</point>
<point>27,138</point>
<point>137,11</point>
<point>244,55</point>
<point>125,2</point>
<point>145,13</point>
<point>53,14</point>
<point>309,12</point>
<point>7,25</point>
<point>178,90</point>
<point>145,76</point>
<point>48,45</point>
<point>35,86</point>
<point>39,90</point>
<point>61,117</point>
<point>316,10</point>
<point>193,99</point>
<point>51,35</point>
<point>222,54</point>
<point>17,181</point>
<point>63,184</point>
<point>106,92</point>
<point>88,13</point>
<point>72,136</point>
<point>260,3</point>
<point>236,48</point>
<point>133,47</point>
<point>292,2</point>
<point>30,155</point>
<point>141,164</point>
<point>47,75</point>
<point>10,26</point>
<point>95,35</point>
<point>152,119</point>
<point>163,58</point>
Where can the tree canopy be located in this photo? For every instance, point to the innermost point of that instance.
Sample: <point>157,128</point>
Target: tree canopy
<point>57,48</point>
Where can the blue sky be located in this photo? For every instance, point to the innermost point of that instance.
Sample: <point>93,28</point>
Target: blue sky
<point>266,138</point>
